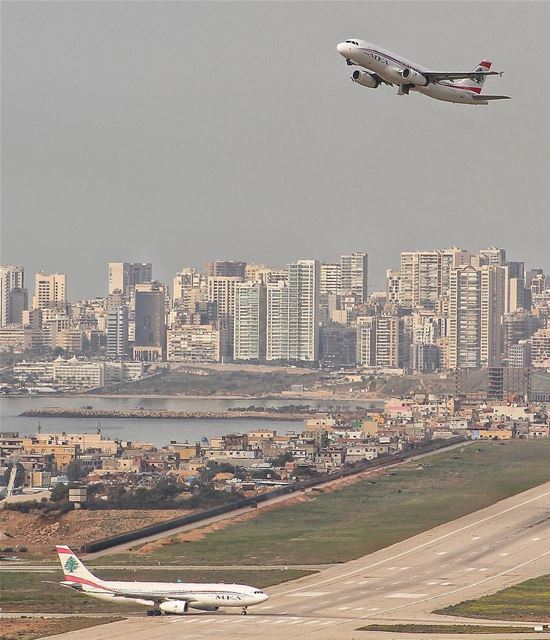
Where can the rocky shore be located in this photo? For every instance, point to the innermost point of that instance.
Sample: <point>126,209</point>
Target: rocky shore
<point>165,414</point>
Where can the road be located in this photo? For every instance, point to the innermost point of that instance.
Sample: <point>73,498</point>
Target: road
<point>475,555</point>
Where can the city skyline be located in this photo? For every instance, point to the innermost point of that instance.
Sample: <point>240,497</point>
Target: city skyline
<point>124,140</point>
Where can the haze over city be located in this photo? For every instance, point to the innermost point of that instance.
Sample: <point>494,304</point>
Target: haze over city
<point>177,133</point>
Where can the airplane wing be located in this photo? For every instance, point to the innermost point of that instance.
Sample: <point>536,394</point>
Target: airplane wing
<point>434,76</point>
<point>481,97</point>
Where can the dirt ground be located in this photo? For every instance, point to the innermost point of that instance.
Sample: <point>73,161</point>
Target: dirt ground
<point>28,628</point>
<point>41,533</point>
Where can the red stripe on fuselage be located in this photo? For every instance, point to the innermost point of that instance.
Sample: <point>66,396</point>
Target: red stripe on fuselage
<point>88,582</point>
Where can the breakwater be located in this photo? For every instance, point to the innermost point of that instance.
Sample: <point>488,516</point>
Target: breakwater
<point>166,414</point>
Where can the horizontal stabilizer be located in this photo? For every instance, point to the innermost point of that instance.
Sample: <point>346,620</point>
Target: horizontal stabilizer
<point>481,97</point>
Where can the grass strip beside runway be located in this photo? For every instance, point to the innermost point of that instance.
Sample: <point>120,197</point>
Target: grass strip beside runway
<point>30,628</point>
<point>368,515</point>
<point>34,592</point>
<point>527,601</point>
<point>461,629</point>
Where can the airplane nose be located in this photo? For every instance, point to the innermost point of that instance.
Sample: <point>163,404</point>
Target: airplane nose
<point>342,48</point>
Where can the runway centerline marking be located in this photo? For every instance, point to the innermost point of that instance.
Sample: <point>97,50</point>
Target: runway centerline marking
<point>470,586</point>
<point>406,595</point>
<point>499,514</point>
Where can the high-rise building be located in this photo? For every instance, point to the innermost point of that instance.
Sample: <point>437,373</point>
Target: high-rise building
<point>476,309</point>
<point>12,278</point>
<point>338,346</point>
<point>354,275</point>
<point>185,281</point>
<point>425,357</point>
<point>425,276</point>
<point>366,341</point>
<point>221,290</point>
<point>515,287</point>
<point>117,326</point>
<point>250,321</point>
<point>303,310</point>
<point>493,308</point>
<point>519,355</point>
<point>329,278</point>
<point>492,256</point>
<point>150,321</point>
<point>124,276</point>
<point>50,291</point>
<point>387,342</point>
<point>226,268</point>
<point>393,286</point>
<point>379,342</point>
<point>277,321</point>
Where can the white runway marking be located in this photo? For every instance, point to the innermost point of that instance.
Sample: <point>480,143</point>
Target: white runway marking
<point>535,539</point>
<point>428,543</point>
<point>308,594</point>
<point>411,596</point>
<point>475,584</point>
<point>441,553</point>
<point>504,554</point>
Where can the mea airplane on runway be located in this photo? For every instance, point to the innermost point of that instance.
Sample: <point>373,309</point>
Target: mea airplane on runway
<point>164,597</point>
<point>389,68</point>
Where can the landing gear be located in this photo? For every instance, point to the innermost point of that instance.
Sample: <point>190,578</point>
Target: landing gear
<point>244,611</point>
<point>154,612</point>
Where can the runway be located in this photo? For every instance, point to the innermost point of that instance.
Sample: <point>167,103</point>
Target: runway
<point>475,555</point>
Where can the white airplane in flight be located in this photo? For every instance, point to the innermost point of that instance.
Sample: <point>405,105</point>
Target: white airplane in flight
<point>383,66</point>
<point>164,597</point>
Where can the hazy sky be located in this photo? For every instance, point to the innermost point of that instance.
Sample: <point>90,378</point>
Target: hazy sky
<point>177,132</point>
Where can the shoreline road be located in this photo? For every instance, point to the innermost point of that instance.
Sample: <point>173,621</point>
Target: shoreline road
<point>477,554</point>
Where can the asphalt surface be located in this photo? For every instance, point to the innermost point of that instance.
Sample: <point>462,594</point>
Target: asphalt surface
<point>475,555</point>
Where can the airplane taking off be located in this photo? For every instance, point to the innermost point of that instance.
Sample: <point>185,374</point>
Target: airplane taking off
<point>383,66</point>
<point>164,597</point>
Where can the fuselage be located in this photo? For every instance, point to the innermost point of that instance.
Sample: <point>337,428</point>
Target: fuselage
<point>388,66</point>
<point>198,595</point>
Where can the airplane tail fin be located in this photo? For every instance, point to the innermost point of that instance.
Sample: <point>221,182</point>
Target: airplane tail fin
<point>74,569</point>
<point>476,81</point>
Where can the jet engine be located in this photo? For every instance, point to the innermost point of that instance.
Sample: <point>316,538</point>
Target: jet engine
<point>413,77</point>
<point>365,79</point>
<point>174,606</point>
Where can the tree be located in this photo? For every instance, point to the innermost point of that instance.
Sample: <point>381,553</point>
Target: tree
<point>75,471</point>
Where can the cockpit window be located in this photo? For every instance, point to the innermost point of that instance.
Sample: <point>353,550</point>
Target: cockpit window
<point>353,42</point>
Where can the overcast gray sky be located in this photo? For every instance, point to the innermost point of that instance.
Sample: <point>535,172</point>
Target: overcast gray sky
<point>177,132</point>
